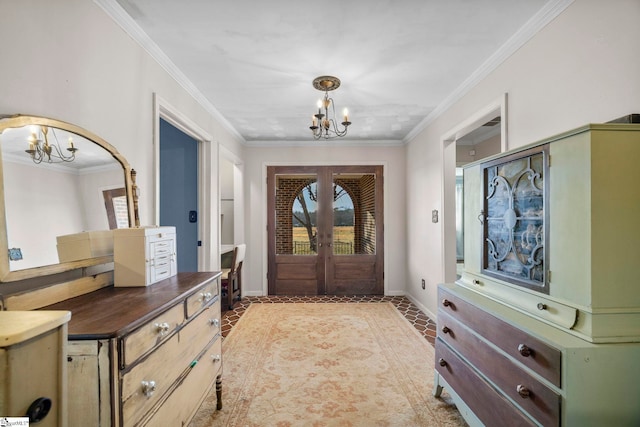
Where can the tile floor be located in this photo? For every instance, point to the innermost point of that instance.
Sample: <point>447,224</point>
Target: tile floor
<point>420,321</point>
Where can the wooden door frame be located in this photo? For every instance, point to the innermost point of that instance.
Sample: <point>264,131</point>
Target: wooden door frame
<point>325,175</point>
<point>208,206</point>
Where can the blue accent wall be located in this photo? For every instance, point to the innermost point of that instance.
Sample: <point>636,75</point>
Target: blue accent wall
<point>179,191</point>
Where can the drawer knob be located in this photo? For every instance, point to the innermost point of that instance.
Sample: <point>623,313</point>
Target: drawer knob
<point>215,358</point>
<point>442,362</point>
<point>523,391</point>
<point>476,282</point>
<point>148,387</point>
<point>445,330</point>
<point>214,322</point>
<point>542,306</point>
<point>205,296</point>
<point>162,328</point>
<point>446,302</point>
<point>524,350</point>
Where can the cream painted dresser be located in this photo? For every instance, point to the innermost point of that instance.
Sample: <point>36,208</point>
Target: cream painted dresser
<point>542,328</point>
<point>33,371</point>
<point>144,356</point>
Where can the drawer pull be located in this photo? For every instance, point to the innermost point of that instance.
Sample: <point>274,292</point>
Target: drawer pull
<point>542,306</point>
<point>523,391</point>
<point>205,296</point>
<point>148,387</point>
<point>214,322</point>
<point>445,330</point>
<point>442,362</point>
<point>446,302</point>
<point>215,358</point>
<point>524,350</point>
<point>476,282</point>
<point>162,328</point>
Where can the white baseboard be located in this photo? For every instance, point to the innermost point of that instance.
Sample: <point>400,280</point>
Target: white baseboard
<point>422,308</point>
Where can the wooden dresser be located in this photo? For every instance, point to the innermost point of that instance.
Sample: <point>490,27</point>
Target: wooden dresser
<point>144,356</point>
<point>547,333</point>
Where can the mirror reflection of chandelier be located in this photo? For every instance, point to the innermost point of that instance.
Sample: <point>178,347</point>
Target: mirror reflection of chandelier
<point>324,124</point>
<point>41,150</point>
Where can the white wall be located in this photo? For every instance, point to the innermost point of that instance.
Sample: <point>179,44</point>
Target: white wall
<point>37,199</point>
<point>91,187</point>
<point>582,67</point>
<point>68,60</point>
<point>257,159</point>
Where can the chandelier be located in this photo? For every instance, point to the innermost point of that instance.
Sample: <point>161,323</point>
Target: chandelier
<point>324,124</point>
<point>44,151</point>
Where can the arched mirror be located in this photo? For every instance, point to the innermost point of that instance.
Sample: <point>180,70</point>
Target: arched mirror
<point>59,182</point>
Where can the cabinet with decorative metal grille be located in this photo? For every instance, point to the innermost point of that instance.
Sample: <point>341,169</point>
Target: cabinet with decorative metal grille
<point>550,236</point>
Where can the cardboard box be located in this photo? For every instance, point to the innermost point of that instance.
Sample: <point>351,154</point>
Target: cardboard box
<point>88,244</point>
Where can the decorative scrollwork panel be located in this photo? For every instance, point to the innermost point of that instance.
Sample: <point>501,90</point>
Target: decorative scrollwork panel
<point>514,218</point>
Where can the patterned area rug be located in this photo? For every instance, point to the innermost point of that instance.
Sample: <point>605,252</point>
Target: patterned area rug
<point>326,365</point>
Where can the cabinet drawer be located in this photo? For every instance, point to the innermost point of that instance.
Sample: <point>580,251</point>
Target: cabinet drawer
<point>187,397</point>
<point>476,392</point>
<point>530,351</point>
<point>160,248</point>
<point>149,335</point>
<point>201,298</point>
<point>542,403</point>
<point>165,365</point>
<point>161,268</point>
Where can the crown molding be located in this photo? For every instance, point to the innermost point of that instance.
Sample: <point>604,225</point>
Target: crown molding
<point>547,14</point>
<point>322,143</point>
<point>122,18</point>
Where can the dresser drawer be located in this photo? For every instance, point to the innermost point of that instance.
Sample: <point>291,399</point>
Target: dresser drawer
<point>202,298</point>
<point>187,397</point>
<point>165,365</point>
<point>151,334</point>
<point>542,403</point>
<point>476,392</point>
<point>530,351</point>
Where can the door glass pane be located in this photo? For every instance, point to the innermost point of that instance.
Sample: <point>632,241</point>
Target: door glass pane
<point>296,214</point>
<point>354,215</point>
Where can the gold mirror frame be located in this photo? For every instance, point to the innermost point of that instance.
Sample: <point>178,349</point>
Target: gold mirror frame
<point>17,121</point>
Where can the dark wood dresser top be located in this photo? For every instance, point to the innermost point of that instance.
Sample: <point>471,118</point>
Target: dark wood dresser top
<point>113,312</point>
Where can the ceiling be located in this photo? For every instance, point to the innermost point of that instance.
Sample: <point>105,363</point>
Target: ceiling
<point>400,62</point>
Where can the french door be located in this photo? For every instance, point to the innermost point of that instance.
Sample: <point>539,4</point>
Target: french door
<point>325,230</point>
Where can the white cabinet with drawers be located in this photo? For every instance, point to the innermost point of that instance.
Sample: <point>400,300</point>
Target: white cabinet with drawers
<point>143,256</point>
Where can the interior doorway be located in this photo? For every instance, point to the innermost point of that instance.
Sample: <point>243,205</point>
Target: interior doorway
<point>325,230</point>
<point>481,135</point>
<point>179,192</point>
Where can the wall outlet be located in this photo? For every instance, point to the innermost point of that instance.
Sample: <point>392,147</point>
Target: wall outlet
<point>434,216</point>
<point>424,284</point>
